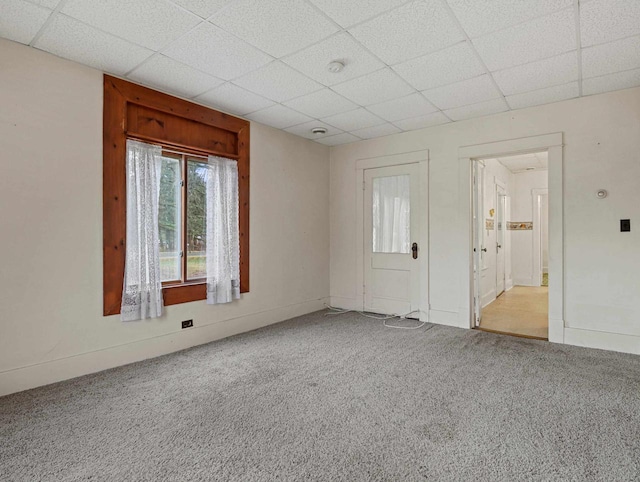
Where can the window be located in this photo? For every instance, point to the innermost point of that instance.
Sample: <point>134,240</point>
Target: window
<point>188,133</point>
<point>181,218</point>
<point>391,214</point>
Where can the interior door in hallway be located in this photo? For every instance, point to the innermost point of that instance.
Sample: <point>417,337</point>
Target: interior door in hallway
<point>501,205</point>
<point>391,238</point>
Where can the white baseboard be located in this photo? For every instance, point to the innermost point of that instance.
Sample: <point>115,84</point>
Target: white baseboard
<point>508,284</point>
<point>488,298</point>
<point>345,303</point>
<point>525,282</point>
<point>602,340</point>
<point>24,378</point>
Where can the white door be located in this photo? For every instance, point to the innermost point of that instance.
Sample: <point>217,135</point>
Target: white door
<point>501,204</point>
<point>391,240</point>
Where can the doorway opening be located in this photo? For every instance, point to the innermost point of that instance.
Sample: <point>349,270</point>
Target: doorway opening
<point>511,244</point>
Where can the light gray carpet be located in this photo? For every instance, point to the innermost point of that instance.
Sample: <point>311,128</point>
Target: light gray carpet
<point>337,398</point>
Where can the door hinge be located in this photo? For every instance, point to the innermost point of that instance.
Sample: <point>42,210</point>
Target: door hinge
<point>181,182</point>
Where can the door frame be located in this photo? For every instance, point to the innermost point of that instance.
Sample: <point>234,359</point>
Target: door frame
<point>553,144</point>
<point>422,158</point>
<point>537,233</point>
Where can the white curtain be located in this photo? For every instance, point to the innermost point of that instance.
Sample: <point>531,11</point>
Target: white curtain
<point>391,214</point>
<point>223,239</point>
<point>142,291</point>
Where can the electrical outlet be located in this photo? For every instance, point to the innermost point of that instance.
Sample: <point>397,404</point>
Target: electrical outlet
<point>187,324</point>
<point>625,225</point>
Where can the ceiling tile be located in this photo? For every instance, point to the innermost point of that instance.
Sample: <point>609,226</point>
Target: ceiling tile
<point>203,8</point>
<point>374,88</point>
<point>452,64</point>
<point>376,131</point>
<point>348,13</point>
<point>313,60</point>
<point>304,130</point>
<point>544,96</point>
<point>606,20</point>
<point>277,81</point>
<point>558,70</point>
<point>606,83</point>
<point>354,119</point>
<point>322,103</point>
<point>339,139</point>
<point>412,105</point>
<point>150,23</point>
<point>477,110</point>
<point>20,21</point>
<point>467,92</point>
<point>46,3</point>
<point>233,99</point>
<point>429,120</point>
<point>214,51</point>
<point>279,116</point>
<point>538,39</point>
<point>414,29</point>
<point>277,28</point>
<point>480,17</point>
<point>166,74</point>
<point>612,57</point>
<point>76,41</point>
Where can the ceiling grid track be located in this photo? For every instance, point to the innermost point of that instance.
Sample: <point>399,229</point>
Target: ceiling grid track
<point>475,52</point>
<point>410,64</point>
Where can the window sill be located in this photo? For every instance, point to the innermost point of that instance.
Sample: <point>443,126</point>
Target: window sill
<point>184,293</point>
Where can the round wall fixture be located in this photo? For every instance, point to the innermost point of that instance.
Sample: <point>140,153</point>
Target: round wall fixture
<point>335,66</point>
<point>318,130</point>
<point>601,194</point>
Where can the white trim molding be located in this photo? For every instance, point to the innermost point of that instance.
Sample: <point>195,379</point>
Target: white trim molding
<point>553,144</point>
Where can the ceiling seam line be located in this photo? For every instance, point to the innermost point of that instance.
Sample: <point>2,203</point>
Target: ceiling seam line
<point>47,22</point>
<point>475,52</point>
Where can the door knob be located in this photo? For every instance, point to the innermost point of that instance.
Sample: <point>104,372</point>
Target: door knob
<point>499,246</point>
<point>484,249</point>
<point>414,250</point>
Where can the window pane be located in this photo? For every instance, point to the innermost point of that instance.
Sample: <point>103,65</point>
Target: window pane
<point>169,214</point>
<point>196,219</point>
<point>391,214</point>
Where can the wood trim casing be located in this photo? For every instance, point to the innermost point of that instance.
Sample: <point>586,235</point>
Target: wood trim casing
<point>170,121</point>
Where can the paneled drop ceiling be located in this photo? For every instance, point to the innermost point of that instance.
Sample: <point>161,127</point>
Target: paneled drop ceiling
<point>408,64</point>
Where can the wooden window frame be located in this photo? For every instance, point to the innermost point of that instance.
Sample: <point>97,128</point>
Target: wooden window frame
<point>136,112</point>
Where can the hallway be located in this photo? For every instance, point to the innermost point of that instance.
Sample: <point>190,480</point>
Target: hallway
<point>521,311</point>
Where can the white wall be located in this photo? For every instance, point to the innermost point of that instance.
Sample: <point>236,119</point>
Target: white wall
<point>602,265</point>
<point>51,323</point>
<point>522,210</point>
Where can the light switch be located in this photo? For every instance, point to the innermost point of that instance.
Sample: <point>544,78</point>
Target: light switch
<point>625,225</point>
